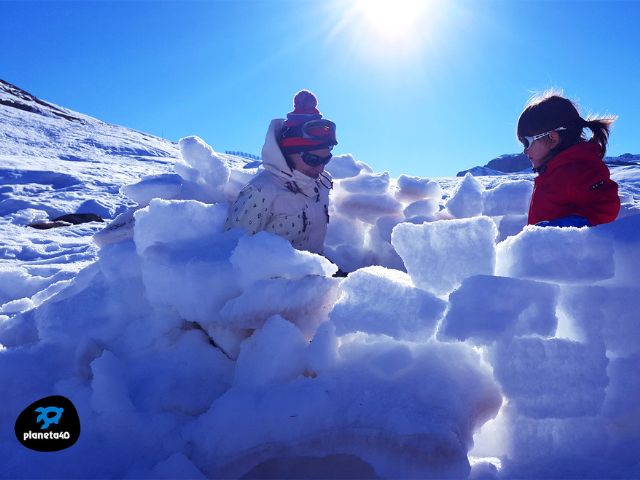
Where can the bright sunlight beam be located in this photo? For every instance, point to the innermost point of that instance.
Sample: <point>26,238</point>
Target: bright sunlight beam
<point>393,19</point>
<point>388,32</point>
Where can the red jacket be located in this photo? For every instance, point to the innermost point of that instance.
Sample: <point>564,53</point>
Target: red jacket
<point>575,182</point>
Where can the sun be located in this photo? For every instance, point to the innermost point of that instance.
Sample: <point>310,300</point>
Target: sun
<point>387,33</point>
<point>393,19</point>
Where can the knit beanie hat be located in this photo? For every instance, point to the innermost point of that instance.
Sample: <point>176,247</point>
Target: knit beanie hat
<point>305,109</point>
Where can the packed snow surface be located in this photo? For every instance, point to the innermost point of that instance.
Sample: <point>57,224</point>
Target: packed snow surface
<point>462,344</point>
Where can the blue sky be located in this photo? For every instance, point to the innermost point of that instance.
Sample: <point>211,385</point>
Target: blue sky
<point>440,95</point>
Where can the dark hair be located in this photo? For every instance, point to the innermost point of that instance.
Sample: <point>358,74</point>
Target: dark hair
<point>551,110</point>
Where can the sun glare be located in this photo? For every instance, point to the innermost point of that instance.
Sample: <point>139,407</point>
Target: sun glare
<point>389,31</point>
<point>393,19</point>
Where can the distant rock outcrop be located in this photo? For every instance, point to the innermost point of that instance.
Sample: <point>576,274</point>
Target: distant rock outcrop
<point>504,164</point>
<point>622,160</point>
<point>510,163</point>
<point>519,163</point>
<point>480,172</point>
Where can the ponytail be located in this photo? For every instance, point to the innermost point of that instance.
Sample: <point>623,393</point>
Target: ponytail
<point>601,128</point>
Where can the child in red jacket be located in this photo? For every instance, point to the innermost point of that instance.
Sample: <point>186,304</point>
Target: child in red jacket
<point>573,186</point>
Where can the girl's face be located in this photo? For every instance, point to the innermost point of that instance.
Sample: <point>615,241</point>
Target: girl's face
<point>308,170</point>
<point>540,148</point>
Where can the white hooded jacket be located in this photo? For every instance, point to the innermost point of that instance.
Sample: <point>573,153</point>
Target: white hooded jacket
<point>283,201</point>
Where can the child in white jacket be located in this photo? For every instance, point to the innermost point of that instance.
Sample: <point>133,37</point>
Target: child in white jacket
<point>290,196</point>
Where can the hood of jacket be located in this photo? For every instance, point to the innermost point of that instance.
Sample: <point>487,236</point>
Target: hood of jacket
<point>274,162</point>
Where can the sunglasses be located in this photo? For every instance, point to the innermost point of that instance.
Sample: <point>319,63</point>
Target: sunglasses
<point>528,141</point>
<point>314,160</point>
<point>315,130</point>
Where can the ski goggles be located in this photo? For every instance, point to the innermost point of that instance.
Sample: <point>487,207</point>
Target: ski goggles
<point>314,130</point>
<point>528,141</point>
<point>314,160</point>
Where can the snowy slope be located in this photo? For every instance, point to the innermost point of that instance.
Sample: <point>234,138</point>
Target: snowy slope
<point>54,161</point>
<point>191,352</point>
<point>58,161</point>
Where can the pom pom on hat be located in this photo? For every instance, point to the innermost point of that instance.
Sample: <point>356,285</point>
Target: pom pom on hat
<point>305,103</point>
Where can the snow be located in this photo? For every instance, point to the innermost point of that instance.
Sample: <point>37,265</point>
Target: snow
<point>486,309</point>
<point>378,300</point>
<point>509,198</point>
<point>551,377</point>
<point>421,208</point>
<point>367,183</point>
<point>461,345</point>
<point>369,207</point>
<point>440,254</point>
<point>345,166</point>
<point>274,354</point>
<point>567,255</point>
<point>466,198</point>
<point>417,188</point>
<point>605,314</point>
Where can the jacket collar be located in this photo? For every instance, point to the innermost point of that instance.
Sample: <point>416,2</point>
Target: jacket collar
<point>582,151</point>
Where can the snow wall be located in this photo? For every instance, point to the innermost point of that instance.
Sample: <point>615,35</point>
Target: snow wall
<point>193,352</point>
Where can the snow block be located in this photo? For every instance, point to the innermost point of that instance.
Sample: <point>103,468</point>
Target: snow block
<point>264,255</point>
<point>166,221</point>
<point>622,410</point>
<point>625,235</point>
<point>439,255</point>
<point>466,199</point>
<point>510,225</point>
<point>422,208</point>
<point>369,207</point>
<point>275,353</point>
<point>508,198</point>
<point>305,301</point>
<point>621,403</point>
<point>487,308</point>
<point>378,300</point>
<point>551,378</point>
<point>608,314</point>
<point>370,183</point>
<point>194,277</point>
<point>345,166</point>
<point>539,448</point>
<point>212,168</point>
<point>565,255</point>
<point>411,189</point>
<point>166,186</point>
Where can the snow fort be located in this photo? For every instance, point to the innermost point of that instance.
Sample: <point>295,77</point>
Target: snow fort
<point>461,345</point>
